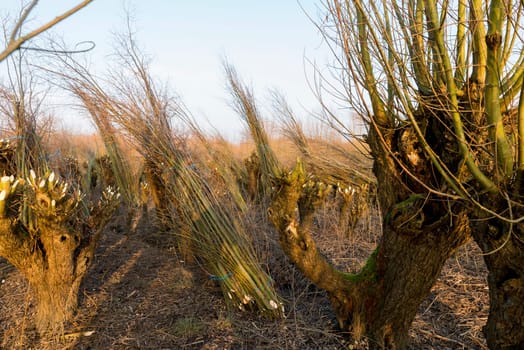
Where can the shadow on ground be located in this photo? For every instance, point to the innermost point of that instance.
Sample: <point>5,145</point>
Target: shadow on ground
<point>141,296</point>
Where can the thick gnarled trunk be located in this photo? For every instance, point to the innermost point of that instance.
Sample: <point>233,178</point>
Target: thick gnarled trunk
<point>381,301</point>
<point>503,246</point>
<point>56,298</point>
<point>54,268</point>
<point>64,258</point>
<point>408,265</point>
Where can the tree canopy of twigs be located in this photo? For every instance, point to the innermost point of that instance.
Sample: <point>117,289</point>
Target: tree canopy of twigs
<point>244,104</point>
<point>461,63</point>
<point>131,102</point>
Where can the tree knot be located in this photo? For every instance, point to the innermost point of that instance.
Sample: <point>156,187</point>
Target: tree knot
<point>493,40</point>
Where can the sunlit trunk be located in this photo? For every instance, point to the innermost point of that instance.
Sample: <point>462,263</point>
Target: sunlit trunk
<point>408,265</point>
<point>54,263</point>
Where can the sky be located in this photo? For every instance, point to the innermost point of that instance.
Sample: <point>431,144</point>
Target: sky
<point>268,42</point>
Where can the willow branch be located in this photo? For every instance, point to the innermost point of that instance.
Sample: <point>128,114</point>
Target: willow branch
<point>15,41</point>
<point>512,32</point>
<point>460,72</point>
<point>370,83</point>
<point>478,44</point>
<point>452,90</point>
<point>416,44</point>
<point>521,131</point>
<point>22,19</point>
<point>492,89</point>
<point>512,82</point>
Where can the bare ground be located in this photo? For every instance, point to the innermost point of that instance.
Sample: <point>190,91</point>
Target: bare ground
<point>140,295</point>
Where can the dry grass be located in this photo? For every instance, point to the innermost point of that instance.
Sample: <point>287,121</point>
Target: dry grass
<point>65,144</point>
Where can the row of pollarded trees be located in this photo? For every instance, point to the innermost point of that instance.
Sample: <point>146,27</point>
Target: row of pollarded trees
<point>49,229</point>
<point>440,86</point>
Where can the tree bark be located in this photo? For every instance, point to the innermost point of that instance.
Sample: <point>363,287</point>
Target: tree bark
<point>381,301</point>
<point>55,250</point>
<point>54,267</point>
<point>56,299</point>
<point>156,181</point>
<point>64,259</point>
<point>503,244</point>
<point>408,265</point>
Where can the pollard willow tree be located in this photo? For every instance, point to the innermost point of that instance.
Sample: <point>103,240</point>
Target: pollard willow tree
<point>48,228</point>
<point>49,232</point>
<point>440,86</point>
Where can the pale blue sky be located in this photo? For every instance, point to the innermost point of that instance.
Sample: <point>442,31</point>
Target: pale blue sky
<point>266,41</point>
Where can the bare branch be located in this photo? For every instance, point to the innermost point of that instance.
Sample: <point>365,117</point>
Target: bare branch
<point>16,40</point>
